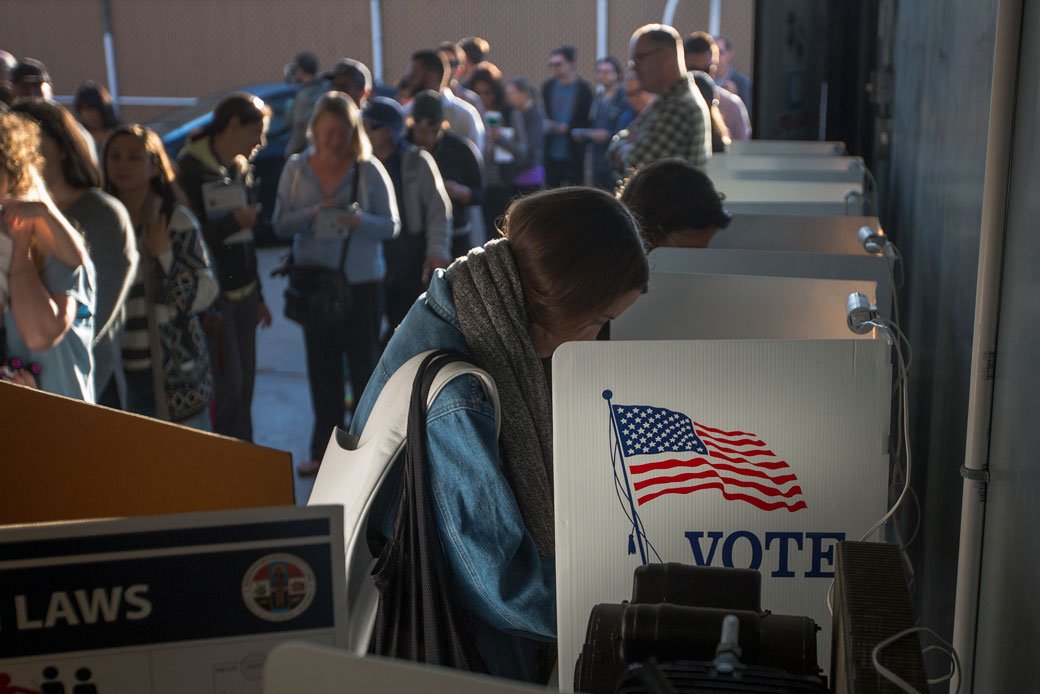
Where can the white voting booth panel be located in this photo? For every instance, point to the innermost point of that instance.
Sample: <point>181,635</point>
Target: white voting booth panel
<point>785,147</point>
<point>167,604</point>
<point>792,197</point>
<point>792,168</point>
<point>818,234</point>
<point>721,307</point>
<point>864,266</point>
<point>300,668</point>
<point>759,454</point>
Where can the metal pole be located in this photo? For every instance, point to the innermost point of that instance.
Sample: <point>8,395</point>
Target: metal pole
<point>669,12</point>
<point>984,341</point>
<point>601,29</point>
<point>715,18</point>
<point>377,41</point>
<point>110,53</point>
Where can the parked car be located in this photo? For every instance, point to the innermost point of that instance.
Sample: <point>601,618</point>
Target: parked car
<point>175,126</point>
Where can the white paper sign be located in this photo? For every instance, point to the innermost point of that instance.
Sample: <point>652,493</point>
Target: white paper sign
<point>752,454</point>
<point>167,604</point>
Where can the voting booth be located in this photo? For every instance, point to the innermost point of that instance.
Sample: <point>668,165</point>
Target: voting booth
<point>759,454</point>
<point>682,306</point>
<point>812,234</point>
<point>785,148</point>
<point>788,168</point>
<point>868,267</point>
<point>167,604</point>
<point>793,197</point>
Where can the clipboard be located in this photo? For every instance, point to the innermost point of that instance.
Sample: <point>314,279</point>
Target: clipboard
<point>220,198</point>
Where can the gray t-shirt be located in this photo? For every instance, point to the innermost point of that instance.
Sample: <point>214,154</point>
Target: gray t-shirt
<point>111,241</point>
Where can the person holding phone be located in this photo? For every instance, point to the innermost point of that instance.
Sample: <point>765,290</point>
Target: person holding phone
<point>216,173</point>
<point>315,207</point>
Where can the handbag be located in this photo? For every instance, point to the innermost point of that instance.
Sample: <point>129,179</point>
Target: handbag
<point>418,617</point>
<point>353,471</point>
<point>317,296</point>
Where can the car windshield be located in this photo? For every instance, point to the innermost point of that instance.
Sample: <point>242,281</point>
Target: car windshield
<point>179,116</point>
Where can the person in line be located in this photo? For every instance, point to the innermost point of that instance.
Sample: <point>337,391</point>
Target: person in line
<point>678,124</point>
<point>94,109</point>
<point>529,175</point>
<point>322,178</point>
<point>507,143</point>
<point>604,122</point>
<point>702,54</point>
<point>424,243</point>
<point>429,70</point>
<point>720,135</point>
<point>456,58</point>
<point>457,159</point>
<point>74,183</point>
<point>164,347</point>
<point>47,287</point>
<point>7,66</point>
<point>30,80</point>
<point>475,50</point>
<point>676,204</point>
<point>571,260</point>
<point>730,77</point>
<point>304,70</point>
<point>567,99</point>
<point>639,102</point>
<point>216,174</point>
<point>353,78</point>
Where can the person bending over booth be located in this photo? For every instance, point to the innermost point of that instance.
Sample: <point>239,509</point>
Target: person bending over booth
<point>571,260</point>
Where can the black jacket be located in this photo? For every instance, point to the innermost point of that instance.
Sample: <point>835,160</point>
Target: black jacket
<point>579,114</point>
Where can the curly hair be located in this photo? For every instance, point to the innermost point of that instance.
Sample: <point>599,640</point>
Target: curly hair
<point>20,154</point>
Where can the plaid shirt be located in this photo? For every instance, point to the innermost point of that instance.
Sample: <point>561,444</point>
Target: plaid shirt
<point>676,125</point>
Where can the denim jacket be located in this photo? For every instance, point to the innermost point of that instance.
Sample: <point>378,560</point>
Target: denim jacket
<point>499,578</point>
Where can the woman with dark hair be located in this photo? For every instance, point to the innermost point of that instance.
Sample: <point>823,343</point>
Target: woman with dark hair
<point>506,144</point>
<point>608,106</point>
<point>571,260</point>
<point>164,347</point>
<point>530,170</point>
<point>74,182</point>
<point>676,204</point>
<point>216,174</point>
<point>46,277</point>
<point>337,204</point>
<point>93,108</point>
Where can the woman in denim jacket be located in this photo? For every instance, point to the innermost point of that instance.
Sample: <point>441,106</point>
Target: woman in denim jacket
<point>314,183</point>
<point>572,259</point>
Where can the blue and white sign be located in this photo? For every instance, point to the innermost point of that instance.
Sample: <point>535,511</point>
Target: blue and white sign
<point>165,604</point>
<point>760,454</point>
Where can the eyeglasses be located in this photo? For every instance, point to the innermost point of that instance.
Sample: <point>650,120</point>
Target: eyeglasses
<point>639,57</point>
<point>556,63</point>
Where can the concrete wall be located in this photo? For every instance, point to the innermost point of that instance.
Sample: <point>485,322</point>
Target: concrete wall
<point>195,47</point>
<point>943,67</point>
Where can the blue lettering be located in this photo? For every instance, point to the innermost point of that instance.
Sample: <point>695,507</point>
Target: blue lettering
<point>782,569</point>
<point>695,545</point>
<point>756,549</point>
<point>819,554</point>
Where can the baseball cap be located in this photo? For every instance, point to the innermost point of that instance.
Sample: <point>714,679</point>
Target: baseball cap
<point>348,67</point>
<point>427,106</point>
<point>384,111</point>
<point>30,70</point>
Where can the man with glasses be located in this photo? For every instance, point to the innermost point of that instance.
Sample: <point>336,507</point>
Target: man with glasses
<point>678,123</point>
<point>567,100</point>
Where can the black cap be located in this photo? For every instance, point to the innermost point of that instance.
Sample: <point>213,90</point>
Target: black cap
<point>355,70</point>
<point>385,112</point>
<point>307,61</point>
<point>30,70</point>
<point>427,106</point>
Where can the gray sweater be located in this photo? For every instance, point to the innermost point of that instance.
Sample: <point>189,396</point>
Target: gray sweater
<point>112,244</point>
<point>300,196</point>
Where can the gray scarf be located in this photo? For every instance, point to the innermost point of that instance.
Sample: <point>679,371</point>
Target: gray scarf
<point>490,304</point>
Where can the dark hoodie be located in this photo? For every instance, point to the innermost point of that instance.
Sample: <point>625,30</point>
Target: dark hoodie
<point>235,262</point>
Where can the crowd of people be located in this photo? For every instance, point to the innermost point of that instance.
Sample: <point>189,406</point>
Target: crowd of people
<point>130,280</point>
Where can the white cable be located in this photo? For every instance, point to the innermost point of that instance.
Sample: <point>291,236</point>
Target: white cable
<point>899,681</point>
<point>906,431</point>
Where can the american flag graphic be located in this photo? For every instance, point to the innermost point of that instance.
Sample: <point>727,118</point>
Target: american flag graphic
<point>666,452</point>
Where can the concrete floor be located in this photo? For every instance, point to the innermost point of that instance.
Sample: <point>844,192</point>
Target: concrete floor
<point>282,416</point>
